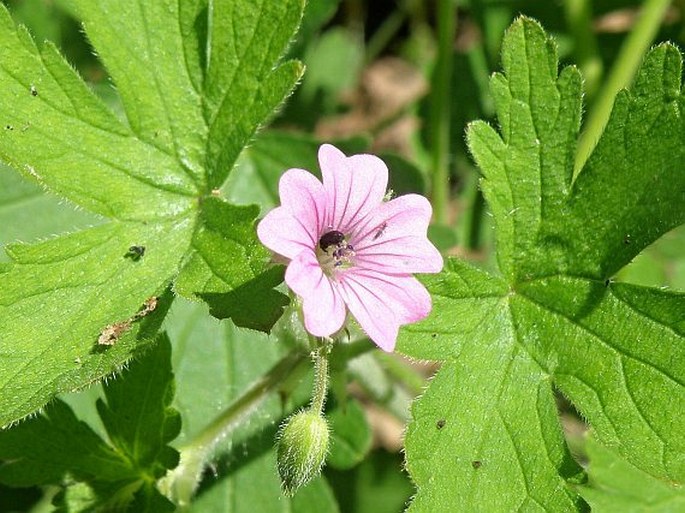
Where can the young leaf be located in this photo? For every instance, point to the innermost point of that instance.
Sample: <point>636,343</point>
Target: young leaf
<point>151,176</point>
<point>616,486</point>
<point>57,448</point>
<point>485,435</point>
<point>236,287</point>
<point>137,413</point>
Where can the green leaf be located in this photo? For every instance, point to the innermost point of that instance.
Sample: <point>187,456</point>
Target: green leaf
<point>140,429</point>
<point>27,213</point>
<point>151,175</point>
<point>350,435</point>
<point>253,305</point>
<point>52,313</point>
<point>234,287</point>
<point>486,434</point>
<point>43,449</point>
<point>616,486</point>
<point>377,485</point>
<point>56,448</point>
<point>661,264</point>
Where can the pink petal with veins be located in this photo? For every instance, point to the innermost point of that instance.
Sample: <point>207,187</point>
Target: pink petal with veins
<point>303,196</point>
<point>381,303</point>
<point>401,255</point>
<point>354,185</point>
<point>283,234</point>
<point>322,304</point>
<point>406,215</point>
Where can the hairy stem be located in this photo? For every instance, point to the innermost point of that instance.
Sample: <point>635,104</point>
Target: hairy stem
<point>180,484</point>
<point>320,379</point>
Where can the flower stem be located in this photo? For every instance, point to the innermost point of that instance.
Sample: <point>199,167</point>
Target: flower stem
<point>440,100</point>
<point>180,484</point>
<point>624,69</point>
<point>320,378</point>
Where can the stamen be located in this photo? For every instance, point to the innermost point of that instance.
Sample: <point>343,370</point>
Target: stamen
<point>334,251</point>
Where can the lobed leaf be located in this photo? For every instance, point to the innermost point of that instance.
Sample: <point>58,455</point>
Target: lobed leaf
<point>56,448</point>
<point>239,287</point>
<point>555,318</point>
<point>485,435</point>
<point>60,295</point>
<point>150,175</point>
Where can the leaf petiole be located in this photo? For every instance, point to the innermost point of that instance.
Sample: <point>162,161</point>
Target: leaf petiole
<point>180,484</point>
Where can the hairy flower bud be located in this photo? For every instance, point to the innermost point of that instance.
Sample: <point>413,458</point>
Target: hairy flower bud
<point>302,447</point>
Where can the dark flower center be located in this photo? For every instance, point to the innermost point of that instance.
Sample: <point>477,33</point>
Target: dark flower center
<point>332,238</point>
<point>334,251</point>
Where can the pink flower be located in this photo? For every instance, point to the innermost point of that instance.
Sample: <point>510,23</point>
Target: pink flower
<point>350,250</point>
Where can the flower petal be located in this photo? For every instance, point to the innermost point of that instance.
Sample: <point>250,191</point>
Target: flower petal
<point>403,255</point>
<point>354,185</point>
<point>283,234</point>
<point>322,304</point>
<point>392,238</point>
<point>382,303</point>
<point>406,215</point>
<point>302,194</point>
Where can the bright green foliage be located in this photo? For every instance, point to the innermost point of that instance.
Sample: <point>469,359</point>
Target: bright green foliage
<point>141,428</point>
<point>663,263</point>
<point>26,212</point>
<point>236,287</point>
<point>485,435</point>
<point>57,448</point>
<point>616,486</point>
<point>151,176</point>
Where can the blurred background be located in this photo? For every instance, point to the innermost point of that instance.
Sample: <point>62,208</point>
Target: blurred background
<point>400,78</point>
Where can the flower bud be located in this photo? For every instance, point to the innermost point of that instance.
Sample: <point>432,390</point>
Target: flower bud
<point>302,447</point>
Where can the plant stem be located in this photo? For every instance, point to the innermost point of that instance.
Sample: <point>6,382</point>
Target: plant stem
<point>622,73</point>
<point>384,34</point>
<point>440,101</point>
<point>180,484</point>
<point>472,218</point>
<point>579,20</point>
<point>320,379</point>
